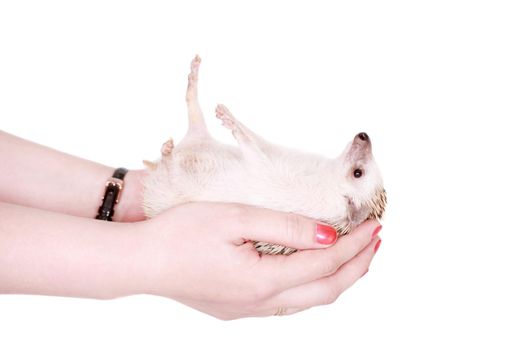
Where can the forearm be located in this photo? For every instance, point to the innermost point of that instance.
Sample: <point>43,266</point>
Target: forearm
<point>48,253</point>
<point>39,177</point>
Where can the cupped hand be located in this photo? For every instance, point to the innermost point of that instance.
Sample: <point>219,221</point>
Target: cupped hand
<point>201,254</point>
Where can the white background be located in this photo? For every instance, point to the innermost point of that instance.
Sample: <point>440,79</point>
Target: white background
<point>439,86</point>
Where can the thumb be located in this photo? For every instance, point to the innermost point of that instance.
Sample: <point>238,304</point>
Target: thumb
<point>288,229</point>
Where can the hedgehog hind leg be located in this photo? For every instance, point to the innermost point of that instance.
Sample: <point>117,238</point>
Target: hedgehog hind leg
<point>196,124</point>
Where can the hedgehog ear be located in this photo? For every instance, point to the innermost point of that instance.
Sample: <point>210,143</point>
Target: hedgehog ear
<point>357,215</point>
<point>357,150</point>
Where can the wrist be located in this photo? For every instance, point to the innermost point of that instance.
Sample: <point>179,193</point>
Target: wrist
<point>141,259</point>
<point>129,208</point>
<point>128,266</point>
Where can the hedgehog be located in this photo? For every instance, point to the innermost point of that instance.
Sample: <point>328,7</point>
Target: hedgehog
<point>342,192</point>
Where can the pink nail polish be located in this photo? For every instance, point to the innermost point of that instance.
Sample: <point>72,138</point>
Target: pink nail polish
<point>325,234</point>
<point>376,231</point>
<point>377,246</point>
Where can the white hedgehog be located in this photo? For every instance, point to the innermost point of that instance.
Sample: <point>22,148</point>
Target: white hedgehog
<point>342,192</point>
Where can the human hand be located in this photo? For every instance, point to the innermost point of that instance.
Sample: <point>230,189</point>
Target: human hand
<point>201,254</point>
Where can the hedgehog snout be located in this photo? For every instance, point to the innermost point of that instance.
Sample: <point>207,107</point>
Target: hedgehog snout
<point>361,147</point>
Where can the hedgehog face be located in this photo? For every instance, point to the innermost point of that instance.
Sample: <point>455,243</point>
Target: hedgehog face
<point>363,184</point>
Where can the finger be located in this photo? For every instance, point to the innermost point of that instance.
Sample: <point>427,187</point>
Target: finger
<point>284,272</point>
<point>287,229</point>
<point>280,311</point>
<point>326,290</point>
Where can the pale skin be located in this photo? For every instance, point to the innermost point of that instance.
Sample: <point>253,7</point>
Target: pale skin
<point>51,245</point>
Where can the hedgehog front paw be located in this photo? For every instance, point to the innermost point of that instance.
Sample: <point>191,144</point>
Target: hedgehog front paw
<point>228,121</point>
<point>167,147</point>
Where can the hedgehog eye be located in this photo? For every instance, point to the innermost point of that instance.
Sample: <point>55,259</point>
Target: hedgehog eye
<point>358,173</point>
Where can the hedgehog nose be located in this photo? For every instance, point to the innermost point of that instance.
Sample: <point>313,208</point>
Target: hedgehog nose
<point>363,136</point>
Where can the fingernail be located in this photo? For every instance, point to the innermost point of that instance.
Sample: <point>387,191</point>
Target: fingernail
<point>364,273</point>
<point>377,246</point>
<point>376,231</point>
<point>325,234</point>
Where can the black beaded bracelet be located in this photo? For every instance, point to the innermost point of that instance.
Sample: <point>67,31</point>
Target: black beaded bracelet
<point>114,187</point>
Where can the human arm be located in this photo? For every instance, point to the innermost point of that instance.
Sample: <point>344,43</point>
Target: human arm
<point>199,254</point>
<point>37,176</point>
<point>48,253</point>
